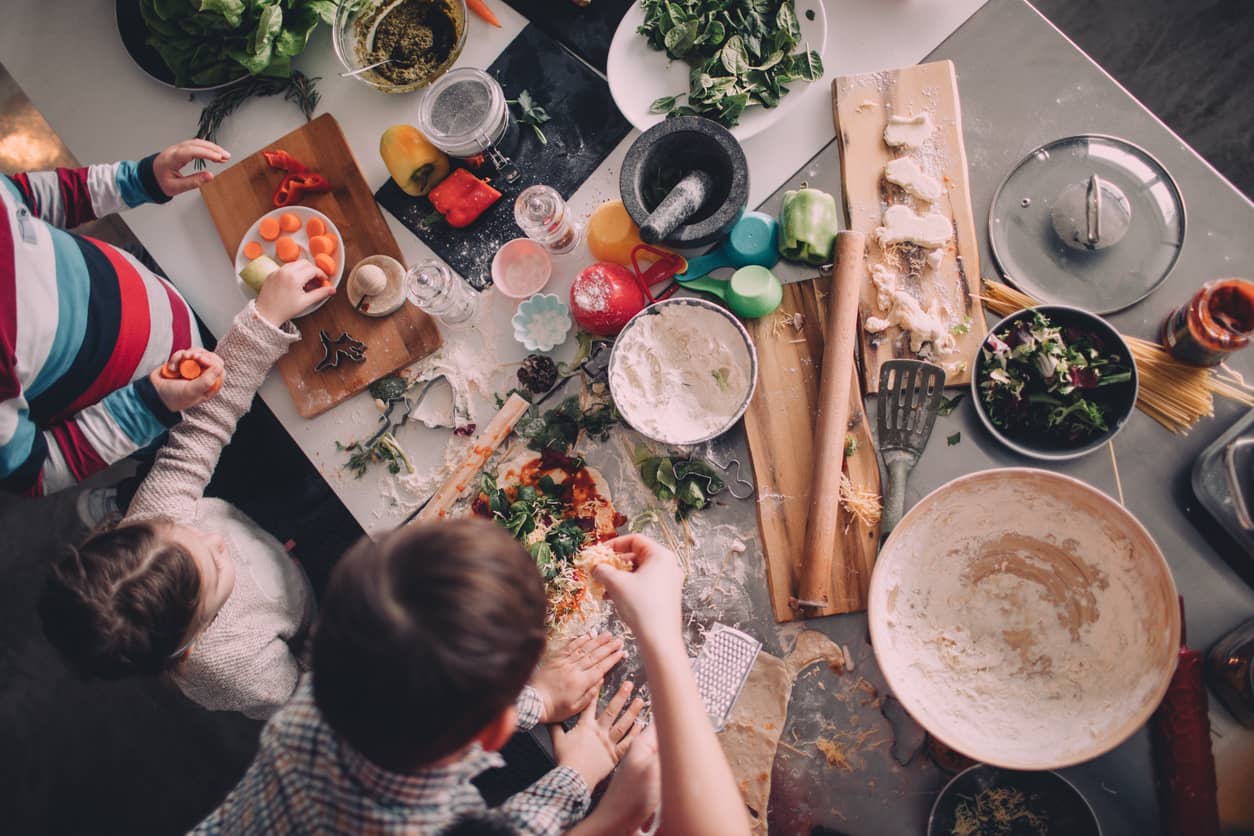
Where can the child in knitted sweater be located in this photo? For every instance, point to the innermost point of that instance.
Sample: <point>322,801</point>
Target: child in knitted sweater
<point>187,585</point>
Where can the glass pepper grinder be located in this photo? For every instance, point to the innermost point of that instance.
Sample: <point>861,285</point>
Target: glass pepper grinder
<point>433,288</point>
<point>546,219</point>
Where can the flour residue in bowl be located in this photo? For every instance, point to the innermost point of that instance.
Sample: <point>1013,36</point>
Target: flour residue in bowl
<point>681,374</point>
<point>1025,623</point>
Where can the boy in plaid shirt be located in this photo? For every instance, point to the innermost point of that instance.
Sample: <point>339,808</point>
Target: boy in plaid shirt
<point>421,658</point>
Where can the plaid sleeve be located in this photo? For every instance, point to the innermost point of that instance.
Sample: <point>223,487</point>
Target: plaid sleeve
<point>551,805</point>
<point>529,707</point>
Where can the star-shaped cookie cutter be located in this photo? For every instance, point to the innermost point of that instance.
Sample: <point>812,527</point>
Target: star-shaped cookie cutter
<point>335,350</point>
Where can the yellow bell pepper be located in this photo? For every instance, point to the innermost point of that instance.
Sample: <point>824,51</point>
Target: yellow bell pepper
<point>414,163</point>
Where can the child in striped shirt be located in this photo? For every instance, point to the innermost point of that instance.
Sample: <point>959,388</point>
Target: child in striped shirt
<point>83,325</point>
<point>189,586</point>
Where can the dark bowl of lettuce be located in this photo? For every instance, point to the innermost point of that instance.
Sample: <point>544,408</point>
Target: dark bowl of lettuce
<point>1054,382</point>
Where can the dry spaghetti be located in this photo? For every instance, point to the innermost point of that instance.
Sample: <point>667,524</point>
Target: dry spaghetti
<point>1175,394</point>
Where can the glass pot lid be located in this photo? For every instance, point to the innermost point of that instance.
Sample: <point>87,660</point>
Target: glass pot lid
<point>1090,221</point>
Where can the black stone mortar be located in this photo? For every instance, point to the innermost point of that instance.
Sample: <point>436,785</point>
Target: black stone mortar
<point>663,154</point>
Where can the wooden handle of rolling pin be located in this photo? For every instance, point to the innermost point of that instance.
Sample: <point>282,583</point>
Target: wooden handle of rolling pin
<point>497,430</point>
<point>831,422</point>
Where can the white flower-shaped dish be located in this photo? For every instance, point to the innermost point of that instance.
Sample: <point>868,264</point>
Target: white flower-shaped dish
<point>542,322</point>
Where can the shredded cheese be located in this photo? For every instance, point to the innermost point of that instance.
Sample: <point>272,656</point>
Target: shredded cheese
<point>864,505</point>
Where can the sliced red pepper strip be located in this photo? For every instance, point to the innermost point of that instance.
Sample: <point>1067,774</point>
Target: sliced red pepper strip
<point>284,161</point>
<point>296,186</point>
<point>462,197</point>
<point>312,182</point>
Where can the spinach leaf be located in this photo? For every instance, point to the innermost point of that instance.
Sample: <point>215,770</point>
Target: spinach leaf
<point>741,53</point>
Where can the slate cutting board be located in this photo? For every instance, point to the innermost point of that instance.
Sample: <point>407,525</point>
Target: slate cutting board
<point>585,126</point>
<point>585,30</point>
<point>238,196</point>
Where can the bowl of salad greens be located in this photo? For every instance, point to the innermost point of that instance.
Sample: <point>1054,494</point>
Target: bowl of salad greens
<point>1054,382</point>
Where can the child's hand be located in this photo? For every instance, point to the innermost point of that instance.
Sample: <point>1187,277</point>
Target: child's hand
<point>634,793</point>
<point>647,600</point>
<point>283,295</point>
<point>168,165</point>
<point>596,744</point>
<point>179,394</point>
<point>569,679</point>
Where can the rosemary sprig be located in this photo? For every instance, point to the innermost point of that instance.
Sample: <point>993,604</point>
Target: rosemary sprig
<point>531,114</point>
<point>299,89</point>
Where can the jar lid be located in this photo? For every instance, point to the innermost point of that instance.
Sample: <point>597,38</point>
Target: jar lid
<point>1090,221</point>
<point>461,111</point>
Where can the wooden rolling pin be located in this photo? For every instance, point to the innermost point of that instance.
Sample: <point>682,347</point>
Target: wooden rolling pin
<point>831,424</point>
<point>497,430</point>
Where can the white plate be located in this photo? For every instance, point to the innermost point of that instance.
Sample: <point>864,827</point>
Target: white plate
<point>302,238</point>
<point>640,75</point>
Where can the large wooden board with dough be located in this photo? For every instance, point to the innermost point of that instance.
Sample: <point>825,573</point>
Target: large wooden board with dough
<point>779,427</point>
<point>946,294</point>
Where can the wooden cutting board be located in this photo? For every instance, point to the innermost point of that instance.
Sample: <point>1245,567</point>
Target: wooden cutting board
<point>779,427</point>
<point>243,193</point>
<point>862,106</point>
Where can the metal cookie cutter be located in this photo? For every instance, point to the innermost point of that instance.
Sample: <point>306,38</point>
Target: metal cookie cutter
<point>335,350</point>
<point>738,479</point>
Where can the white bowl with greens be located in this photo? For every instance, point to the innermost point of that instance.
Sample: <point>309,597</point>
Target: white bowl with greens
<point>701,59</point>
<point>1054,382</point>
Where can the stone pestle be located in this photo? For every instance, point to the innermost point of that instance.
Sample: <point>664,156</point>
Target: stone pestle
<point>681,203</point>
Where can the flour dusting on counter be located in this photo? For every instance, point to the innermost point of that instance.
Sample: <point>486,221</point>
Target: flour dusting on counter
<point>682,374</point>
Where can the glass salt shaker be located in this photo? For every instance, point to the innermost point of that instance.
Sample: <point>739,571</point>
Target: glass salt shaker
<point>433,288</point>
<point>546,219</point>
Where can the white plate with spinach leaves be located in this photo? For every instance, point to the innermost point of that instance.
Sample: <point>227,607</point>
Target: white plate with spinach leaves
<point>768,55</point>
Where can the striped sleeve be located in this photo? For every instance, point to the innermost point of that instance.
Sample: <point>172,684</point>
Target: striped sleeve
<point>68,197</point>
<point>36,463</point>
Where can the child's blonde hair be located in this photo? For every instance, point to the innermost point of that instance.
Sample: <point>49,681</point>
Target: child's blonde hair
<point>122,603</point>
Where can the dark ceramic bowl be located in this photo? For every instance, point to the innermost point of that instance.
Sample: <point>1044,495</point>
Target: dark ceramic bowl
<point>663,154</point>
<point>1119,398</point>
<point>1048,799</point>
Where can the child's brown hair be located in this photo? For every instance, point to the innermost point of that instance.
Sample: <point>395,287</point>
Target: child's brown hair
<point>425,637</point>
<point>122,603</point>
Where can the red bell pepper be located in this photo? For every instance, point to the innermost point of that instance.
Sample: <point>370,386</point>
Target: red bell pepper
<point>296,186</point>
<point>284,161</point>
<point>462,197</point>
<point>299,180</point>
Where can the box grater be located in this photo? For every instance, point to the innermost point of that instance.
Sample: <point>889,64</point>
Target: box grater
<point>721,669</point>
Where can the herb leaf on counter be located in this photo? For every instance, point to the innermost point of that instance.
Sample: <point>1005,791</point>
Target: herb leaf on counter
<point>531,114</point>
<point>559,428</point>
<point>741,53</point>
<point>689,481</point>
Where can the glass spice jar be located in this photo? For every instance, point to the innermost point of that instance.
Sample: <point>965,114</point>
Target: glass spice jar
<point>546,219</point>
<point>435,289</point>
<point>1217,321</point>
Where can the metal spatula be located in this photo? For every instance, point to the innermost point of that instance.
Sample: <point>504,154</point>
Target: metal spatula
<point>909,396</point>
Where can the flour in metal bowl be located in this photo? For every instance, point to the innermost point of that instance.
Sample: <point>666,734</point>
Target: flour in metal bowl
<point>683,371</point>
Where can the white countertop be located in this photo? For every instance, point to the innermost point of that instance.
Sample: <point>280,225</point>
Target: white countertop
<point>74,69</point>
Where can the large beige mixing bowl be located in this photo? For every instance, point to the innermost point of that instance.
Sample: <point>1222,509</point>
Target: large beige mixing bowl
<point>1024,618</point>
